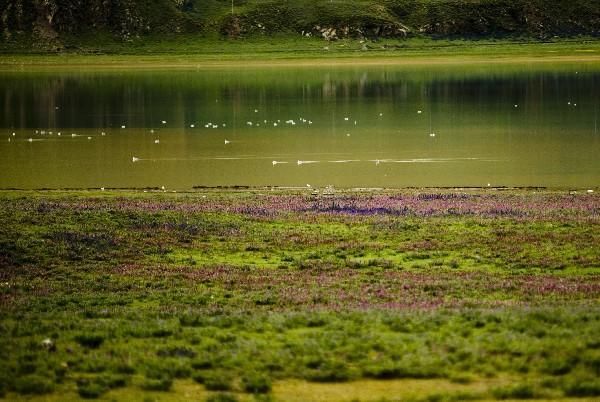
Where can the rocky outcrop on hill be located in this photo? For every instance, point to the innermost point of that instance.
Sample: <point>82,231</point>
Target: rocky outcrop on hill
<point>48,22</point>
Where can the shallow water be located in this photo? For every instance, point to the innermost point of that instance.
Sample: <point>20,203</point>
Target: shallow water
<point>478,125</point>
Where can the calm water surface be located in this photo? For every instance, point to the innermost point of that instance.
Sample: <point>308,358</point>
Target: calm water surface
<point>502,125</point>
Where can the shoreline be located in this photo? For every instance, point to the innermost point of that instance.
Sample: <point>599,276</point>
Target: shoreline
<point>319,54</point>
<point>323,191</point>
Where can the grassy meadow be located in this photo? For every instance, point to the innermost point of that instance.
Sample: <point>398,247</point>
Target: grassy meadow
<point>281,50</point>
<point>282,295</point>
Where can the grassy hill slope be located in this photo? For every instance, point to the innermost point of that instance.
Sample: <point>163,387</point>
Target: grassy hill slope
<point>61,24</point>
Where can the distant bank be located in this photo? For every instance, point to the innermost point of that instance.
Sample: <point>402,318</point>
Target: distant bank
<point>284,26</point>
<point>311,53</point>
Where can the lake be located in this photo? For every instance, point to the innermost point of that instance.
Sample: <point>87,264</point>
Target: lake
<point>346,126</point>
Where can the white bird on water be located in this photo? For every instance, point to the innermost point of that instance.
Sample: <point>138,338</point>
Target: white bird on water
<point>432,134</point>
<point>157,141</point>
<point>123,126</point>
<point>163,121</point>
<point>227,142</point>
<point>134,159</point>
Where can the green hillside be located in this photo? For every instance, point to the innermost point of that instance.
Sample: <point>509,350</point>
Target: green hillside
<point>64,24</point>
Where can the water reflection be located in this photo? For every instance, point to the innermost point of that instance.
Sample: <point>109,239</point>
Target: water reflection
<point>388,126</point>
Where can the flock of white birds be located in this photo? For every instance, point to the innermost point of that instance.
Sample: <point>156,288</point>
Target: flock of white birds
<point>256,123</point>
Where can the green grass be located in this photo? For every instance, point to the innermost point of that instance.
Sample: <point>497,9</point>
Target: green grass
<point>142,23</point>
<point>138,296</point>
<point>195,51</point>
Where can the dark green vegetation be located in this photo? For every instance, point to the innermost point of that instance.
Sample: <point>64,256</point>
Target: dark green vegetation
<point>239,291</point>
<point>97,25</point>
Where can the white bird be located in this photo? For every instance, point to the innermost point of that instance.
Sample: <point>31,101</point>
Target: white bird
<point>163,121</point>
<point>516,105</point>
<point>30,140</point>
<point>255,110</point>
<point>58,134</point>
<point>102,188</point>
<point>89,138</point>
<point>380,114</point>
<point>162,188</point>
<point>432,134</point>
<point>192,126</point>
<point>73,135</point>
<point>346,118</point>
<point>157,141</point>
<point>151,131</point>
<point>590,191</point>
<point>123,126</point>
<point>134,159</point>
<point>103,133</point>
<point>347,134</point>
<point>419,111</point>
<point>14,134</point>
<point>227,142</point>
<point>274,124</point>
